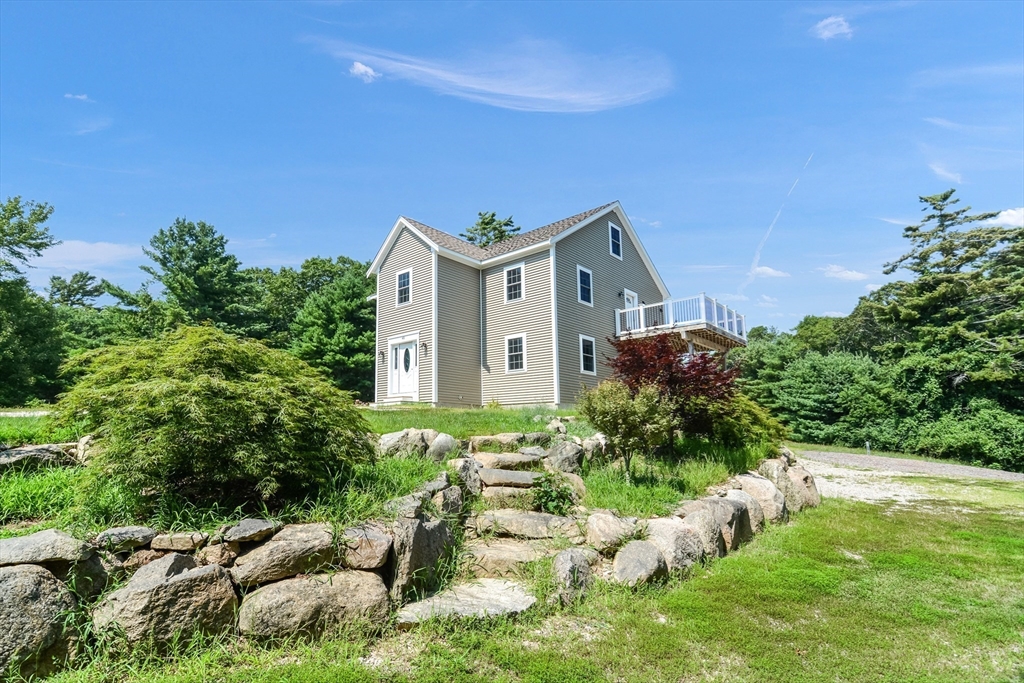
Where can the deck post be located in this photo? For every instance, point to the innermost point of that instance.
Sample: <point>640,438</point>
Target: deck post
<point>714,312</point>
<point>618,323</point>
<point>641,309</point>
<point>670,316</point>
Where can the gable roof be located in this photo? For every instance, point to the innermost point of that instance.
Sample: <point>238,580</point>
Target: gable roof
<point>462,250</point>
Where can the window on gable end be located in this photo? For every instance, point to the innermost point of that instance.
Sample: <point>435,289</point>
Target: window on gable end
<point>404,287</point>
<point>585,286</point>
<point>615,240</point>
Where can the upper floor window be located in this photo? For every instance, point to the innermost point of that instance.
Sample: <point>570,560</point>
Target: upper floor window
<point>615,240</point>
<point>515,353</point>
<point>514,285</point>
<point>585,286</point>
<point>404,287</point>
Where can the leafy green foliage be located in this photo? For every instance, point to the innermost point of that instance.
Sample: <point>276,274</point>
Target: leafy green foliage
<point>30,345</point>
<point>22,233</point>
<point>741,421</point>
<point>336,330</point>
<point>634,423</point>
<point>489,229</point>
<point>202,415</point>
<point>933,366</point>
<point>80,290</point>
<point>552,494</point>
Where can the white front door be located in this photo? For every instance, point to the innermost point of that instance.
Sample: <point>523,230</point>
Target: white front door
<point>405,369</point>
<point>632,300</point>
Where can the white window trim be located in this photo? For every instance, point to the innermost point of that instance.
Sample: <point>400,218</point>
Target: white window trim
<point>396,341</point>
<point>591,274</point>
<point>399,273</point>
<point>612,226</point>
<point>583,338</point>
<point>505,351</point>
<point>522,282</point>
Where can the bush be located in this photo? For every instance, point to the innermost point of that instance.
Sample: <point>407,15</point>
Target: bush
<point>633,423</point>
<point>741,421</point>
<point>981,432</point>
<point>203,416</point>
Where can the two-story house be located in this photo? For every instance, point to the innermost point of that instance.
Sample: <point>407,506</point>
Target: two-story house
<point>524,321</point>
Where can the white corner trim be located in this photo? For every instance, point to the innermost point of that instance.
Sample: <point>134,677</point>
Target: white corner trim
<point>522,282</point>
<point>554,323</point>
<point>377,349</point>
<point>594,346</point>
<point>589,272</point>
<point>433,340</point>
<point>397,275</point>
<point>505,351</point>
<point>611,242</point>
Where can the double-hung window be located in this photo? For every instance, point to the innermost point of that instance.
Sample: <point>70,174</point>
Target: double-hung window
<point>514,285</point>
<point>404,287</point>
<point>588,356</point>
<point>615,240</point>
<point>515,353</point>
<point>585,286</point>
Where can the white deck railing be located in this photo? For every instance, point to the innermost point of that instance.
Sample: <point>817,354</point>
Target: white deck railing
<point>675,313</point>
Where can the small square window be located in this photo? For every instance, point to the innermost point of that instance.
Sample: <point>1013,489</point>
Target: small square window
<point>615,240</point>
<point>404,287</point>
<point>516,354</point>
<point>586,285</point>
<point>588,358</point>
<point>514,283</point>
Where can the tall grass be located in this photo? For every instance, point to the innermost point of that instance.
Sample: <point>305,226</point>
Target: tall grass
<point>36,429</point>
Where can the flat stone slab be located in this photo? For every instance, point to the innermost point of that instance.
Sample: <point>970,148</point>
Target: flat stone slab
<point>26,456</point>
<point>507,461</point>
<point>482,598</point>
<point>527,524</point>
<point>49,545</point>
<point>509,496</point>
<point>492,477</point>
<point>251,530</point>
<point>501,557</point>
<point>124,538</point>
<point>180,542</point>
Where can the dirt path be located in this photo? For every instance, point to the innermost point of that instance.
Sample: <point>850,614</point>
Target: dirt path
<point>936,469</point>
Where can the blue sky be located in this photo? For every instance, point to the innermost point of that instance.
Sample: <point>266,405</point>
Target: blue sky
<point>303,129</point>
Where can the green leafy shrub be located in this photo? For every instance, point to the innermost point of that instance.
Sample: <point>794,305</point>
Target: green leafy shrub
<point>741,421</point>
<point>552,494</point>
<point>982,432</point>
<point>204,416</point>
<point>634,423</point>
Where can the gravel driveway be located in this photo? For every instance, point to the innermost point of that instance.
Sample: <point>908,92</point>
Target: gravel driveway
<point>936,469</point>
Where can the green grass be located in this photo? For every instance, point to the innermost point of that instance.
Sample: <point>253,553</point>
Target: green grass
<point>31,500</point>
<point>659,483</point>
<point>463,423</point>
<point>17,431</point>
<point>849,591</point>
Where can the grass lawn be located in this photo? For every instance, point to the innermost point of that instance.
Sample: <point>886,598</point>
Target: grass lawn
<point>847,592</point>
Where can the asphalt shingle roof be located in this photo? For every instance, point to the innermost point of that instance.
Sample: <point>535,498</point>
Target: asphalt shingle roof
<point>514,243</point>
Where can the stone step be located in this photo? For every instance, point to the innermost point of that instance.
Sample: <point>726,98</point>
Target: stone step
<point>507,461</point>
<point>503,557</point>
<point>522,524</point>
<point>509,497</point>
<point>493,477</point>
<point>482,598</point>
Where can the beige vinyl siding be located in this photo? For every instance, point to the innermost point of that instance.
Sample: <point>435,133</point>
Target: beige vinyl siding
<point>408,252</point>
<point>588,247</point>
<point>458,333</point>
<point>530,316</point>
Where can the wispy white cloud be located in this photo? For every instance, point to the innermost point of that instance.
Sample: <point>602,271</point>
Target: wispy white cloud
<point>363,72</point>
<point>706,268</point>
<point>872,288</point>
<point>93,126</point>
<point>834,314</point>
<point>897,221</point>
<point>72,255</point>
<point>531,75</point>
<point>969,74</point>
<point>944,173</point>
<point>653,224</point>
<point>835,26</point>
<point>841,273</point>
<point>731,298</point>
<point>963,127</point>
<point>81,98</point>
<point>765,271</point>
<point>1009,217</point>
<point>765,301</point>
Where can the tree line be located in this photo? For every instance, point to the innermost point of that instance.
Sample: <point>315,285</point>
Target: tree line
<point>931,365</point>
<point>318,312</point>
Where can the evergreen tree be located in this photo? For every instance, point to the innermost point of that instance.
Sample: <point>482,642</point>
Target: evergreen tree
<point>79,291</point>
<point>488,229</point>
<point>22,233</point>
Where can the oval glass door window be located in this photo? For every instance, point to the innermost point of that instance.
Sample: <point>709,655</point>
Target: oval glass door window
<point>407,360</point>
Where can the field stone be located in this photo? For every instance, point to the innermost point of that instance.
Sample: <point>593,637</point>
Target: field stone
<point>523,524</point>
<point>449,501</point>
<point>753,507</point>
<point>594,446</point>
<point>33,608</point>
<point>438,483</point>
<point>32,456</point>
<point>537,439</point>
<point>678,542</point>
<point>575,481</point>
<point>606,531</point>
<point>708,529</point>
<point>505,441</point>
<point>407,506</point>
<point>141,558</point>
<point>767,495</point>
<point>734,517</point>
<point>122,538</point>
<point>196,601</point>
<point>251,530</point>
<point>492,477</point>
<point>309,605</point>
<point>509,496</point>
<point>49,545</point>
<point>510,461</point>
<point>565,456</point>
<point>538,452</point>
<point>803,481</point>
<point>417,547</point>
<point>365,546</point>
<point>556,426</point>
<point>164,568</point>
<point>222,554</point>
<point>180,542</point>
<point>295,549</point>
<point>441,447</point>
<point>572,574</point>
<point>502,557</point>
<point>83,449</point>
<point>638,562</point>
<point>405,441</point>
<point>466,471</point>
<point>481,598</point>
<point>775,471</point>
